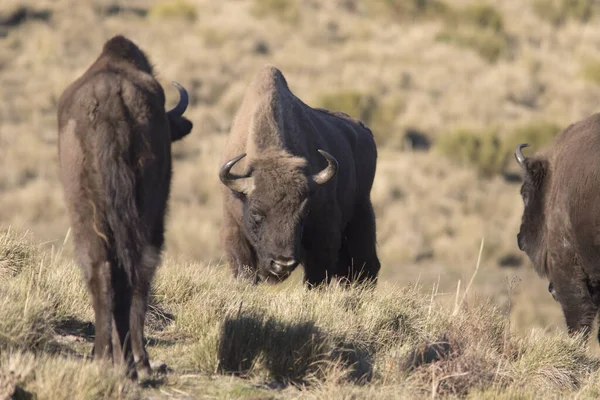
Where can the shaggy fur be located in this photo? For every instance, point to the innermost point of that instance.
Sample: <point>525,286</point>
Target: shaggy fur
<point>328,228</point>
<point>115,161</point>
<point>560,227</point>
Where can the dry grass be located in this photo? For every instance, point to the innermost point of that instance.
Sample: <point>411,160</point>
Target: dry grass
<point>227,339</point>
<point>432,211</point>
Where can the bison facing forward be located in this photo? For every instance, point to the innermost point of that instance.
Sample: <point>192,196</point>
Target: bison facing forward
<point>115,161</point>
<point>560,227</point>
<point>302,191</point>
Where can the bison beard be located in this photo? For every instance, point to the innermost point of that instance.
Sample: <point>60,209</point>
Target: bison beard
<point>115,164</point>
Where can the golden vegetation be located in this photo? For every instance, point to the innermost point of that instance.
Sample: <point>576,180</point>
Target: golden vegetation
<point>477,26</point>
<point>174,9</point>
<point>392,342</point>
<point>490,152</point>
<point>557,12</point>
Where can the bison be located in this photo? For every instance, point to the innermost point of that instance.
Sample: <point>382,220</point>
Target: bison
<point>560,225</point>
<point>301,193</point>
<point>115,166</point>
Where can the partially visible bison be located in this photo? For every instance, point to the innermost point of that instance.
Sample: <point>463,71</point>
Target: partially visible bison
<point>115,164</point>
<point>560,227</point>
<point>300,192</point>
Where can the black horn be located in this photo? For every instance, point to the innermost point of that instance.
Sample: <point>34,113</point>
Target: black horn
<point>240,184</point>
<point>329,171</point>
<point>180,108</point>
<point>519,154</point>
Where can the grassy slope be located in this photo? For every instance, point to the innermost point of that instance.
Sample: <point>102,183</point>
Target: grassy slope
<point>280,343</point>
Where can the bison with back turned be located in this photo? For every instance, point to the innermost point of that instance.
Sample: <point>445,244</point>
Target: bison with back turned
<point>560,226</point>
<point>115,164</point>
<point>300,192</point>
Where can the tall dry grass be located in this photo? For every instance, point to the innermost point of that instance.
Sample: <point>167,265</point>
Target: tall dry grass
<point>227,339</point>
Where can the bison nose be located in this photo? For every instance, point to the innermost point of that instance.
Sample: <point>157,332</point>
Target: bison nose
<point>283,264</point>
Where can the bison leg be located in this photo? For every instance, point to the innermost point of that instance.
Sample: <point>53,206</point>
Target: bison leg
<point>99,287</point>
<point>577,305</point>
<point>121,336</point>
<point>357,258</point>
<point>320,258</point>
<point>240,255</point>
<point>139,307</point>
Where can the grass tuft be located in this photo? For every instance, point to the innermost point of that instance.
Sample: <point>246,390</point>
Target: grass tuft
<point>16,252</point>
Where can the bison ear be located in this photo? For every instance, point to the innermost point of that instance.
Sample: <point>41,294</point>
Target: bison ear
<point>180,127</point>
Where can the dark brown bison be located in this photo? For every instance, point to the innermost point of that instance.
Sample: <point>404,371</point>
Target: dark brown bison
<point>560,226</point>
<point>115,163</point>
<point>301,193</point>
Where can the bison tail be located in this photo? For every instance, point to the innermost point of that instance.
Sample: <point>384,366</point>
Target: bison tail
<point>127,234</point>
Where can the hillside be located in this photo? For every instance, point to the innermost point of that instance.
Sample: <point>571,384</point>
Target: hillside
<point>448,88</point>
<point>222,339</point>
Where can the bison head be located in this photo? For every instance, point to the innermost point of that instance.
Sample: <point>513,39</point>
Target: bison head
<point>276,195</point>
<point>531,235</point>
<point>178,124</point>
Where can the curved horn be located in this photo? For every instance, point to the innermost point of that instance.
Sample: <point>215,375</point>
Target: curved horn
<point>329,171</point>
<point>240,184</point>
<point>519,154</point>
<point>180,108</point>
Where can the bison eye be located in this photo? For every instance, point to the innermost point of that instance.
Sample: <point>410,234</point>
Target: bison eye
<point>256,216</point>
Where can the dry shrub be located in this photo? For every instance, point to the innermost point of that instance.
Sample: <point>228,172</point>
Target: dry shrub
<point>379,114</point>
<point>402,10</point>
<point>490,152</point>
<point>557,12</point>
<point>590,70</point>
<point>284,10</point>
<point>477,26</point>
<point>481,150</point>
<point>174,9</point>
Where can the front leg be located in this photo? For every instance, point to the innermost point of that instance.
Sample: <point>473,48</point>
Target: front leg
<point>321,252</point>
<point>240,254</point>
<point>574,297</point>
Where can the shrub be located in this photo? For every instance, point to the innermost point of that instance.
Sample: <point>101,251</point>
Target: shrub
<point>590,71</point>
<point>490,153</point>
<point>479,27</point>
<point>558,12</point>
<point>174,9</point>
<point>408,9</point>
<point>379,116</point>
<point>483,150</point>
<point>352,102</point>
<point>285,10</point>
<point>537,133</point>
<point>488,44</point>
<point>482,16</point>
